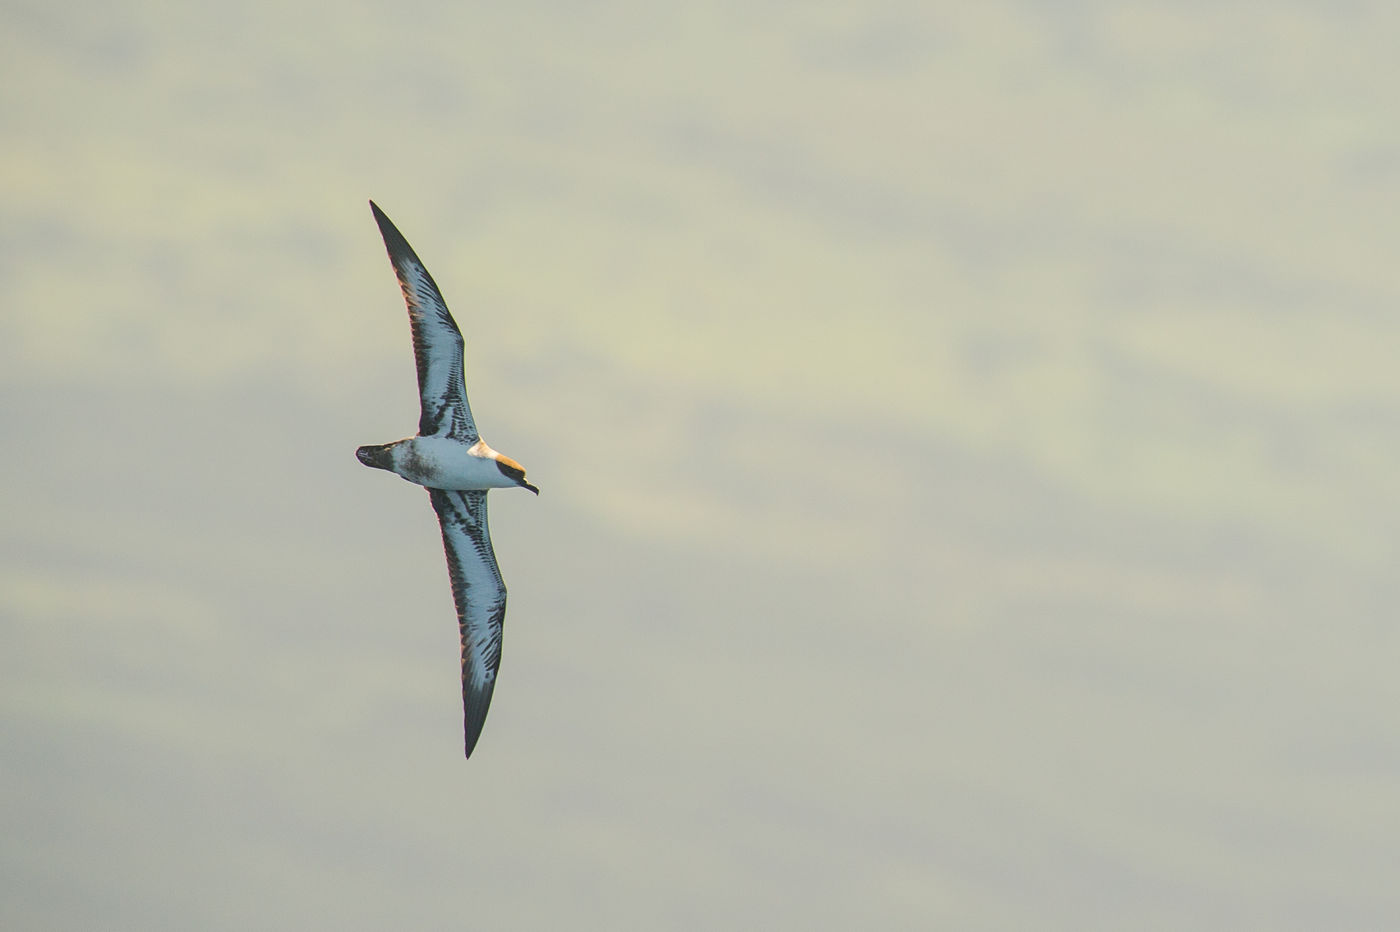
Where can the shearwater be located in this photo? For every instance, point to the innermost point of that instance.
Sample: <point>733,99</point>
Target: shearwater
<point>449,459</point>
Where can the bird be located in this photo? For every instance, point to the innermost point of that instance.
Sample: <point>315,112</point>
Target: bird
<point>449,459</point>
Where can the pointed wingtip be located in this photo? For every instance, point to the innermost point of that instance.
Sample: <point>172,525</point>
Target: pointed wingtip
<point>475,704</point>
<point>394,241</point>
<point>473,735</point>
<point>381,218</point>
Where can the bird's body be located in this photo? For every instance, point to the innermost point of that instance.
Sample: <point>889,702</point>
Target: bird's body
<point>445,463</point>
<point>449,459</point>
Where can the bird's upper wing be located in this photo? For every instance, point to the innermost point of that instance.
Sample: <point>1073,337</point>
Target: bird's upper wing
<point>437,343</point>
<point>480,594</point>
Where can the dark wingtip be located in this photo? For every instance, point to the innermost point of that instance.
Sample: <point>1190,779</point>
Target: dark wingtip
<point>394,241</point>
<point>473,721</point>
<point>386,226</point>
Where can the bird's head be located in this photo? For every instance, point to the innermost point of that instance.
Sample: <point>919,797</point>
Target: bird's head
<point>514,472</point>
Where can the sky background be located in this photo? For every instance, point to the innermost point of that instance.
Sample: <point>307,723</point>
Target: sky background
<point>968,439</point>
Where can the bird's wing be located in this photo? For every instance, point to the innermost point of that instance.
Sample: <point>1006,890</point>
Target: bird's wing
<point>480,594</point>
<point>437,343</point>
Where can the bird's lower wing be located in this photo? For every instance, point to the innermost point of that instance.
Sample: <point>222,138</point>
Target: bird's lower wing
<point>480,594</point>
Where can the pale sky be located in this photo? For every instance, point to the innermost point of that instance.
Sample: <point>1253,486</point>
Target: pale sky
<point>968,443</point>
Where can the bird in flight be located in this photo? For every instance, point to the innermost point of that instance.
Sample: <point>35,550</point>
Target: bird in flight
<point>449,459</point>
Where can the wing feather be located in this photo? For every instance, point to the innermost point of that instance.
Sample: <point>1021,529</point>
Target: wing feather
<point>437,342</point>
<point>480,594</point>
